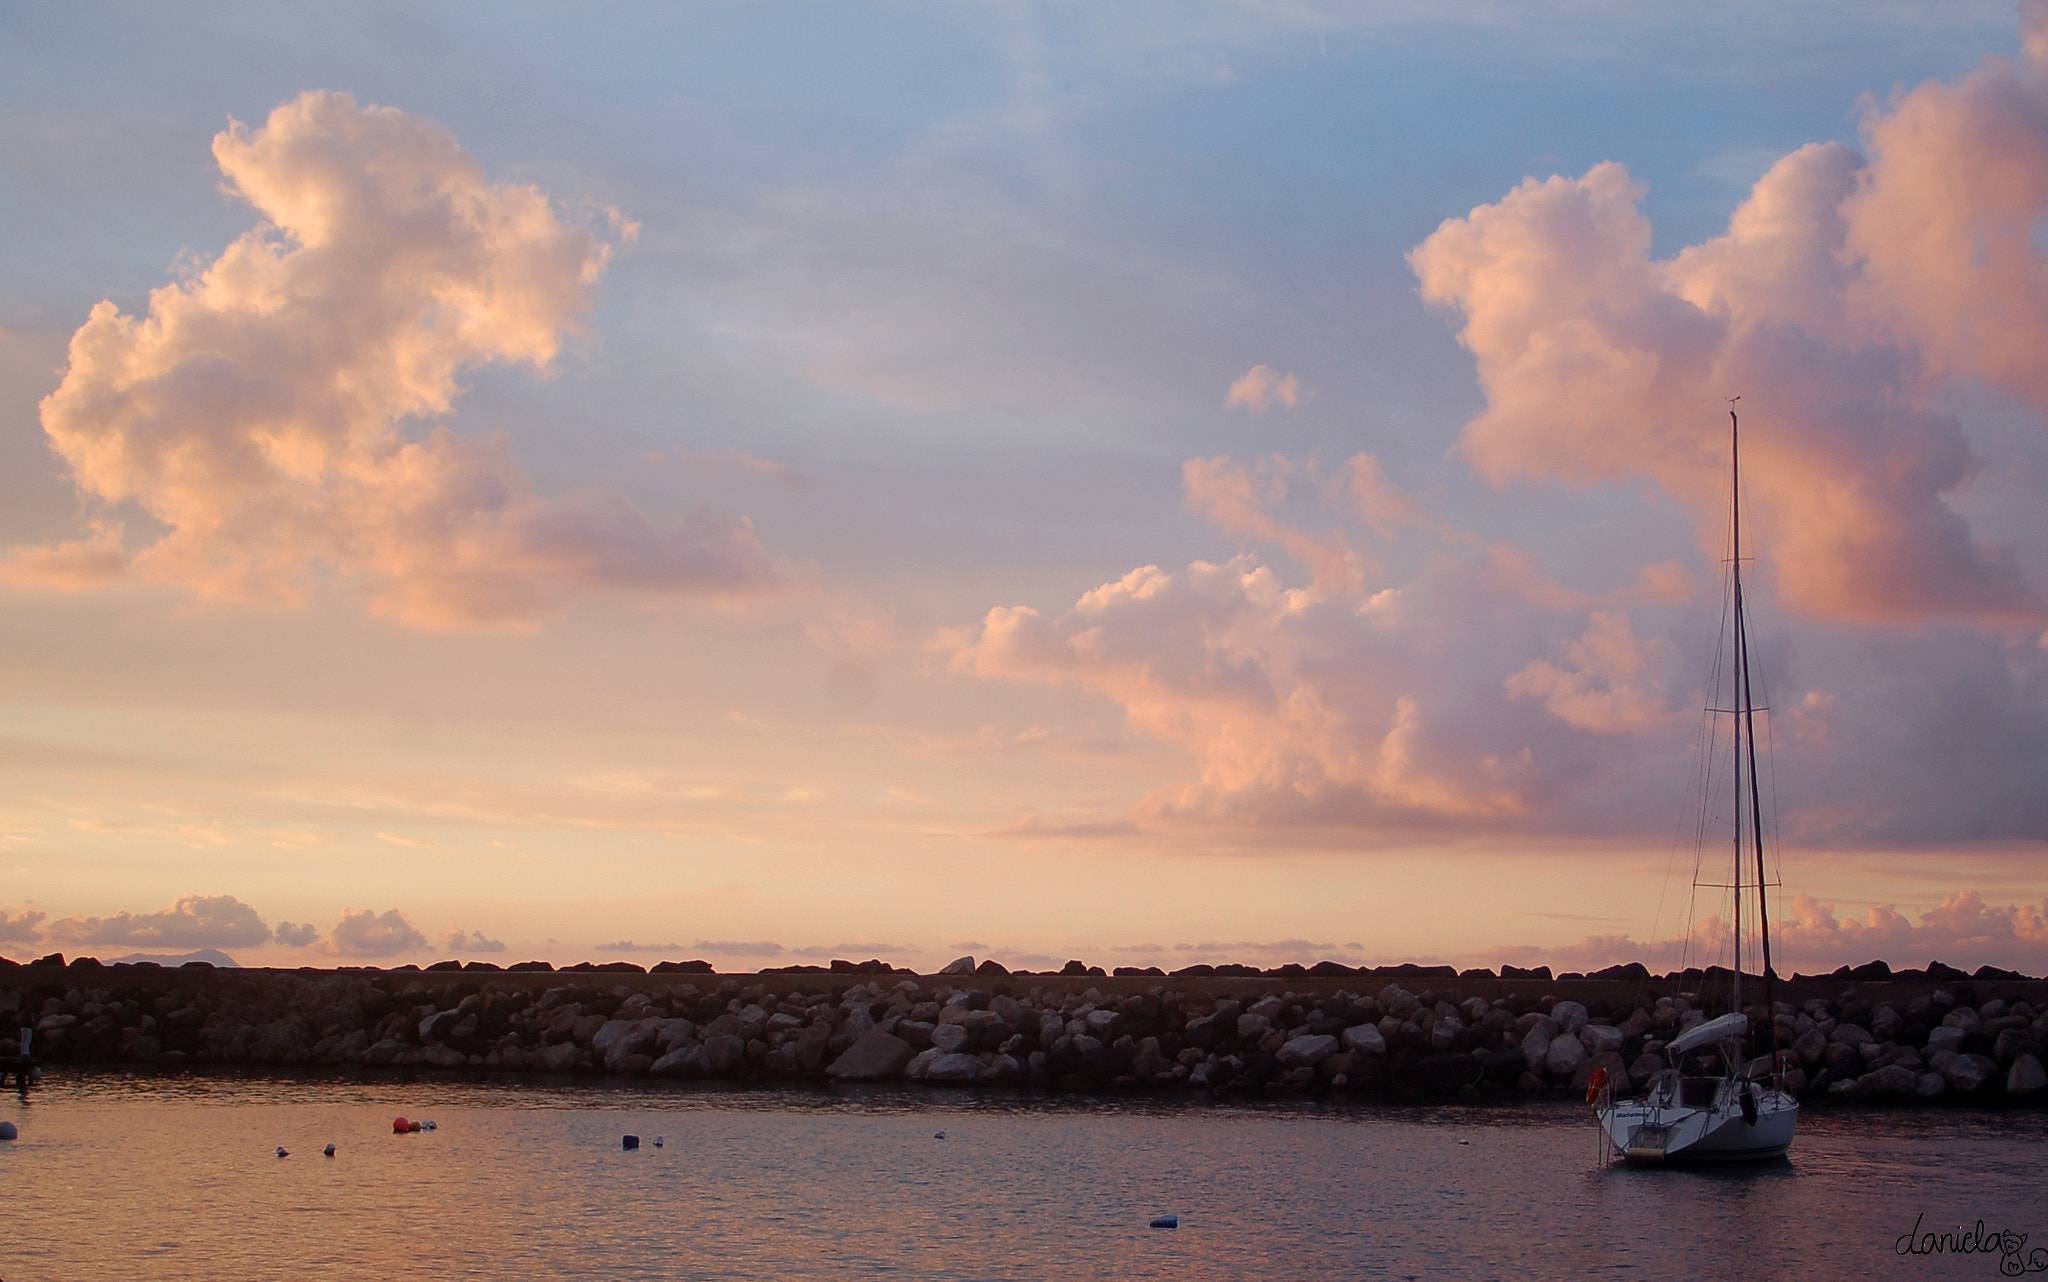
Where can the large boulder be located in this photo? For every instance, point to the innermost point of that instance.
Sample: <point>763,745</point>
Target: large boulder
<point>952,1069</point>
<point>1364,1039</point>
<point>1851,1035</point>
<point>1307,1050</point>
<point>1252,1028</point>
<point>875,1056</point>
<point>950,1039</point>
<point>2026,1077</point>
<point>684,1060</point>
<point>724,1054</point>
<point>1946,1038</point>
<point>1582,1077</point>
<point>1601,1039</point>
<point>1536,1045</point>
<point>1964,1074</point>
<point>1893,1082</point>
<point>1564,1057</point>
<point>560,1057</point>
<point>1810,1046</point>
<point>958,966</point>
<point>1570,1016</point>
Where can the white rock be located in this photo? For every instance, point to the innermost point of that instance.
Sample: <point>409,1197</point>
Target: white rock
<point>1570,1016</point>
<point>950,1039</point>
<point>959,966</point>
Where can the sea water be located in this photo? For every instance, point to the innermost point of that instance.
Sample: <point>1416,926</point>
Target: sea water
<point>145,1178</point>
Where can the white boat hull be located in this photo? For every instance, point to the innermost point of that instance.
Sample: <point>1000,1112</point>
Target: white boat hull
<point>1644,1131</point>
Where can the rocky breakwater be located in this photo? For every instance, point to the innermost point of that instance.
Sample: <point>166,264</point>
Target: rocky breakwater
<point>1073,1033</point>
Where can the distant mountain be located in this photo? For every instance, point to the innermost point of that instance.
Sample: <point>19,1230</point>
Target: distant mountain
<point>213,956</point>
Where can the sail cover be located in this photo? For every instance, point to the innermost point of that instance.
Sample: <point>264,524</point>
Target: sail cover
<point>1714,1030</point>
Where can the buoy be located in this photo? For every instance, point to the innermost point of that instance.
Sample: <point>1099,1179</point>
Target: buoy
<point>941,1135</point>
<point>281,1151</point>
<point>428,1126</point>
<point>8,1131</point>
<point>414,1127</point>
<point>657,1141</point>
<point>400,1126</point>
<point>630,1143</point>
<point>329,1150</point>
<point>1166,1222</point>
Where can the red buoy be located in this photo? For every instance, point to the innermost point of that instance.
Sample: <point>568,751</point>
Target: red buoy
<point>400,1126</point>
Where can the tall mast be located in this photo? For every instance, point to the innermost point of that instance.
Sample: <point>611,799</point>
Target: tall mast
<point>1746,735</point>
<point>1741,676</point>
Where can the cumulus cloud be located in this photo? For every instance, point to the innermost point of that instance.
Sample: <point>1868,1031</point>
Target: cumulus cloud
<point>1261,388</point>
<point>296,934</point>
<point>194,921</point>
<point>367,933</point>
<point>1846,294</point>
<point>475,941</point>
<point>25,925</point>
<point>270,413</point>
<point>1393,706</point>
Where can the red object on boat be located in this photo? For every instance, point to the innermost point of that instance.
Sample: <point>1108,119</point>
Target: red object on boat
<point>400,1126</point>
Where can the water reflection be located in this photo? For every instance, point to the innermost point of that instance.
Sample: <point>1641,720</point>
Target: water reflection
<point>176,1177</point>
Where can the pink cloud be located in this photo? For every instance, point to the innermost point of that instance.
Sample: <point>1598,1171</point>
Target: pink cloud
<point>1600,362</point>
<point>1261,388</point>
<point>261,410</point>
<point>1389,707</point>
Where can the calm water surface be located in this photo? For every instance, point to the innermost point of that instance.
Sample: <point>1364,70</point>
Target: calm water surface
<point>140,1178</point>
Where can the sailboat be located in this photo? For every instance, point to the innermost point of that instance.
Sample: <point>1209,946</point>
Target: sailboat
<point>1707,1104</point>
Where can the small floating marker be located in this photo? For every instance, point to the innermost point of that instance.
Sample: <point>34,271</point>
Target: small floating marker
<point>657,1141</point>
<point>428,1126</point>
<point>1166,1222</point>
<point>1464,1141</point>
<point>630,1142</point>
<point>282,1152</point>
<point>329,1150</point>
<point>941,1135</point>
<point>400,1126</point>
<point>8,1131</point>
<point>415,1127</point>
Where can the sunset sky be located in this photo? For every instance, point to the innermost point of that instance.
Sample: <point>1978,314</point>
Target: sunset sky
<point>1148,484</point>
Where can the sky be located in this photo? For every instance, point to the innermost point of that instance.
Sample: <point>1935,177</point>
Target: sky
<point>1147,484</point>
